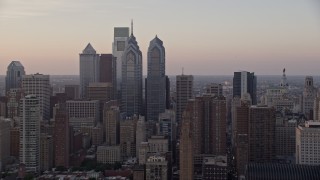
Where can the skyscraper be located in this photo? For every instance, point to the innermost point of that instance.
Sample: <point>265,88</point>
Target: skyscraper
<point>262,121</point>
<point>15,72</point>
<point>245,82</point>
<point>156,80</point>
<point>184,85</point>
<point>30,133</point>
<point>108,71</point>
<point>308,97</point>
<point>121,36</point>
<point>4,141</point>
<point>131,97</point>
<point>39,85</point>
<point>61,136</point>
<point>89,69</point>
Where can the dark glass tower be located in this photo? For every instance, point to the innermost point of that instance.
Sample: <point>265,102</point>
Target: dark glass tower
<point>131,87</point>
<point>156,80</point>
<point>245,82</point>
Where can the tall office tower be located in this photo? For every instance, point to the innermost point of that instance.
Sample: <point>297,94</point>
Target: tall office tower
<point>186,145</point>
<point>214,89</point>
<point>307,143</point>
<point>61,136</point>
<point>4,141</point>
<point>15,72</point>
<point>100,91</point>
<point>131,91</point>
<point>72,91</point>
<point>89,69</point>
<point>14,95</point>
<point>156,80</point>
<point>141,135</point>
<point>184,85</point>
<point>46,152</point>
<point>14,142</point>
<point>285,136</point>
<point>128,137</point>
<point>245,82</point>
<point>83,114</point>
<point>120,41</point>
<point>39,85</point>
<point>112,125</point>
<point>157,168</point>
<point>308,97</point>
<point>30,117</point>
<point>262,122</point>
<point>167,126</point>
<point>108,71</point>
<point>240,133</point>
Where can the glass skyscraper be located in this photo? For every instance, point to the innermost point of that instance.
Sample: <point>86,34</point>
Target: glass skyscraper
<point>156,80</point>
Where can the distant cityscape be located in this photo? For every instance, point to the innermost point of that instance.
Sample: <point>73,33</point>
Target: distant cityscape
<point>113,122</point>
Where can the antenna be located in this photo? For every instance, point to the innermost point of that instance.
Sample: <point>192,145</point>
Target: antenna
<point>182,70</point>
<point>131,26</point>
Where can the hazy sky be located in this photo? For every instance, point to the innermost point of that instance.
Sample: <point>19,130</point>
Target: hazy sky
<point>207,37</point>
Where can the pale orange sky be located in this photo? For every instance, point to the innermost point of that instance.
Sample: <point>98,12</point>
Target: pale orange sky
<point>208,38</point>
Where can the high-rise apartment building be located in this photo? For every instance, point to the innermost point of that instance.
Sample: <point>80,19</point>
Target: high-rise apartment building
<point>128,137</point>
<point>131,91</point>
<point>39,85</point>
<point>46,152</point>
<point>61,136</point>
<point>14,142</point>
<point>307,143</point>
<point>184,85</point>
<point>108,71</point>
<point>4,141</point>
<point>15,71</point>
<point>243,83</point>
<point>120,41</point>
<point>30,117</point>
<point>186,146</point>
<point>89,69</point>
<point>156,80</point>
<point>262,122</point>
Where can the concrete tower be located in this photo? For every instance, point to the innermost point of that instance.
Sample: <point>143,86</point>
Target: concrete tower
<point>39,85</point>
<point>30,133</point>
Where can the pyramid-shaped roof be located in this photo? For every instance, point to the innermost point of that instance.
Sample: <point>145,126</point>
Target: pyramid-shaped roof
<point>89,50</point>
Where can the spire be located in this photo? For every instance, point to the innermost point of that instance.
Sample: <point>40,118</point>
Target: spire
<point>131,26</point>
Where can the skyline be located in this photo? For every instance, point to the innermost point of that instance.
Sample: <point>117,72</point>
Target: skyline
<point>223,36</point>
